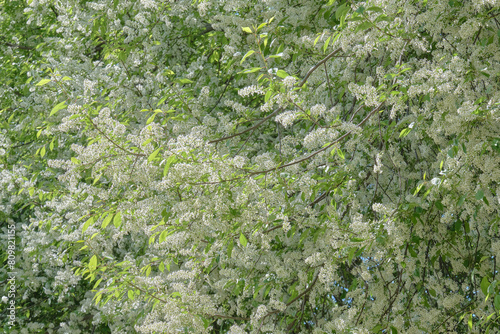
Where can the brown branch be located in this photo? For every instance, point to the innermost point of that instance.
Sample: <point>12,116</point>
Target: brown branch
<point>305,292</point>
<point>113,142</point>
<point>315,67</point>
<point>329,86</point>
<point>297,161</point>
<point>279,109</point>
<point>17,46</point>
<point>246,130</point>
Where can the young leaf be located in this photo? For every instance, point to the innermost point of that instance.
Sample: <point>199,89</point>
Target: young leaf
<point>248,54</point>
<point>58,107</point>
<point>153,155</point>
<point>163,236</point>
<point>243,240</point>
<point>282,74</point>
<point>89,222</point>
<point>107,220</point>
<point>43,82</point>
<point>93,263</point>
<point>169,163</point>
<point>250,70</point>
<point>117,221</point>
<point>325,46</point>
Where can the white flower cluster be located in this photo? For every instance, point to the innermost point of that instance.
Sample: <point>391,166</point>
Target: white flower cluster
<point>287,118</point>
<point>377,168</point>
<point>289,81</point>
<point>250,90</point>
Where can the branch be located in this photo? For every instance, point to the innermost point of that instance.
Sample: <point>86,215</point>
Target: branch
<point>246,130</point>
<point>113,142</point>
<point>293,162</point>
<point>306,291</point>
<point>318,65</point>
<point>17,46</point>
<point>279,109</point>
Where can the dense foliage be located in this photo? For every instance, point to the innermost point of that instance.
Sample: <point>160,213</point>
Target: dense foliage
<point>260,166</point>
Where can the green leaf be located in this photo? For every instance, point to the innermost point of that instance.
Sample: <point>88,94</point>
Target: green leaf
<point>163,236</point>
<point>262,25</point>
<point>404,132</point>
<point>343,9</point>
<point>419,187</point>
<point>117,221</point>
<point>364,26</point>
<point>42,151</point>
<point>360,10</point>
<point>461,200</point>
<point>169,163</point>
<point>161,266</point>
<point>268,95</point>
<point>89,222</point>
<point>383,17</point>
<point>93,263</point>
<point>130,294</point>
<point>268,289</point>
<point>58,107</point>
<point>256,293</point>
<point>325,46</point>
<point>43,82</point>
<point>247,29</point>
<point>479,194</point>
<point>350,256</point>
<point>243,240</point>
<point>282,74</point>
<point>484,285</point>
<point>374,9</point>
<point>248,54</point>
<point>230,248</point>
<point>97,179</point>
<point>97,283</point>
<point>107,220</point>
<point>250,70</point>
<point>316,40</point>
<point>340,154</point>
<point>151,119</point>
<point>153,155</point>
<point>470,321</point>
<point>497,302</point>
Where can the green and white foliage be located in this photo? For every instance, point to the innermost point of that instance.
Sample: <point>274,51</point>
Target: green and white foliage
<point>263,166</point>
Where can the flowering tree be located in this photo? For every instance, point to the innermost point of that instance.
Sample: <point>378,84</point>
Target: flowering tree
<point>252,166</point>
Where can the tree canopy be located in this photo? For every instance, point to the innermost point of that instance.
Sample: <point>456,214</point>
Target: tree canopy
<point>258,166</point>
